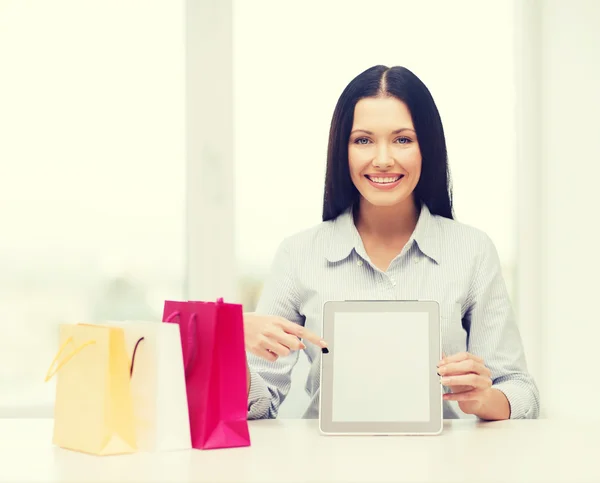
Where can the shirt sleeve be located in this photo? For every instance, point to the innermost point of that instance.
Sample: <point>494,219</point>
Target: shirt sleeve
<point>493,335</point>
<point>270,382</point>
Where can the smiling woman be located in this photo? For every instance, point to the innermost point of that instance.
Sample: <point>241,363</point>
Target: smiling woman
<point>383,150</point>
<point>295,118</point>
<point>389,167</point>
<point>388,233</point>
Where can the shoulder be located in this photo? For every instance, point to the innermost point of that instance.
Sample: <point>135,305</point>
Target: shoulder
<point>454,229</point>
<point>458,239</point>
<point>310,241</point>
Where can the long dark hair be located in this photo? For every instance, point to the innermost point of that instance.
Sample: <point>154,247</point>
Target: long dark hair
<point>434,188</point>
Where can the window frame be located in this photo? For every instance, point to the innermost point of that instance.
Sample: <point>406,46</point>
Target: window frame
<point>530,272</point>
<point>210,190</point>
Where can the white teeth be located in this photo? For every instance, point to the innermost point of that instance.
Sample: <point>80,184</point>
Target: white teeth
<point>385,180</point>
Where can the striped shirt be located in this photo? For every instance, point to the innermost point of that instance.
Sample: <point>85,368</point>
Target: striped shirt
<point>444,260</point>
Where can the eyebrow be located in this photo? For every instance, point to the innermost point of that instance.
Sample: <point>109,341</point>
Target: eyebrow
<point>397,131</point>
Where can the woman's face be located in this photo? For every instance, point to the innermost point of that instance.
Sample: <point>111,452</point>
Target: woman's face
<point>383,151</point>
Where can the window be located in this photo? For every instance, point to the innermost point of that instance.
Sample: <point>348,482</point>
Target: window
<point>92,186</point>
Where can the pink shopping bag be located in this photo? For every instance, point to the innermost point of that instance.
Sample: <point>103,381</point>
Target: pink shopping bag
<point>212,338</point>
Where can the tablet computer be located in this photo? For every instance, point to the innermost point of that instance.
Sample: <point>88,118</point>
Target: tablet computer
<point>379,375</point>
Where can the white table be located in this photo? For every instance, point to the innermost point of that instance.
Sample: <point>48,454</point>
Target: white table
<point>293,450</point>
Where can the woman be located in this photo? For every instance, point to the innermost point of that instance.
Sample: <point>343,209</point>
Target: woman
<point>388,233</point>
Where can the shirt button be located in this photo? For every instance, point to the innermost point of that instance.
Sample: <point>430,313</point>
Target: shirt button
<point>417,260</point>
<point>359,263</point>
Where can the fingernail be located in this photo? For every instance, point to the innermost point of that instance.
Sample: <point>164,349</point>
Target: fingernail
<point>325,350</point>
<point>302,346</point>
<point>438,374</point>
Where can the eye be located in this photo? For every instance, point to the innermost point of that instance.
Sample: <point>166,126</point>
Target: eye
<point>358,141</point>
<point>404,140</point>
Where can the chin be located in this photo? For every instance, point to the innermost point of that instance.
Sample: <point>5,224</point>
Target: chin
<point>385,200</point>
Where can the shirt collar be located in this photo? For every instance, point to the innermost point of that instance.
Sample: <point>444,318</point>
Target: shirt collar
<point>344,237</point>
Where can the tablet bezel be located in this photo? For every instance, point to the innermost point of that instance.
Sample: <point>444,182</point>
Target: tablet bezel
<point>435,424</point>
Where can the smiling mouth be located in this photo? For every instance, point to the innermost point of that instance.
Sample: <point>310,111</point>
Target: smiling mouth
<point>384,179</point>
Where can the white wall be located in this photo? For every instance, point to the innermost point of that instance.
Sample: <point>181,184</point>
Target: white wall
<point>570,153</point>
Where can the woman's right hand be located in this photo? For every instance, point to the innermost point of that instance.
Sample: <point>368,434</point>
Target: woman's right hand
<point>271,337</point>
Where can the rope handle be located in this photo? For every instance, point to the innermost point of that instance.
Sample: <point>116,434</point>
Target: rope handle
<point>53,370</point>
<point>191,338</point>
<point>50,374</point>
<point>191,335</point>
<point>133,356</point>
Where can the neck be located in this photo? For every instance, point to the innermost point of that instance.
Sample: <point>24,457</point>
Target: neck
<point>387,221</point>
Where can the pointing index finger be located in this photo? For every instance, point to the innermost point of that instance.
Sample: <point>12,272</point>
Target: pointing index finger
<point>303,333</point>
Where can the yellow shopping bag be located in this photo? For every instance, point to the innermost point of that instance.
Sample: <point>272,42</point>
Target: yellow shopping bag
<point>93,410</point>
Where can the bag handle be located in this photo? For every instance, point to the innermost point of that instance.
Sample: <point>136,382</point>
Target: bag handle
<point>191,338</point>
<point>53,370</point>
<point>133,356</point>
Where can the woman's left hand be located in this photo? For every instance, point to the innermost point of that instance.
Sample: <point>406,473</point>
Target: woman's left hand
<point>468,378</point>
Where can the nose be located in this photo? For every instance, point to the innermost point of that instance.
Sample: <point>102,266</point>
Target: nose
<point>383,158</point>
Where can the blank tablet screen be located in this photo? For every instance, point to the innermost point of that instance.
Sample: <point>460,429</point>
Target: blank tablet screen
<point>381,367</point>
